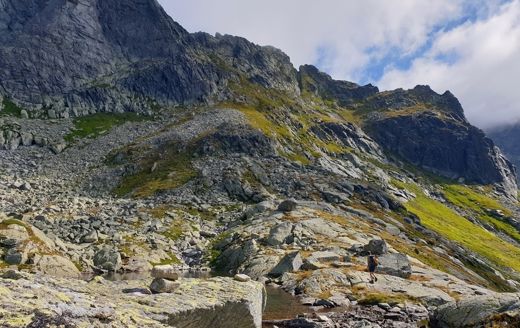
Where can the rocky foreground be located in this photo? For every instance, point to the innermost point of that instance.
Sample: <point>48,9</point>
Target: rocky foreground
<point>42,301</point>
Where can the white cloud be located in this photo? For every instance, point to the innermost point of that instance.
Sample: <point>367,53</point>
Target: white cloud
<point>346,29</point>
<point>485,71</point>
<point>348,38</point>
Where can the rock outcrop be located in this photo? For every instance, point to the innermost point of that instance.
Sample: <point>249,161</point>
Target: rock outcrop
<point>218,302</point>
<point>498,310</point>
<point>430,131</point>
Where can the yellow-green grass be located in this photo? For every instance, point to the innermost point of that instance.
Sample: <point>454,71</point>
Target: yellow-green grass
<point>444,220</point>
<point>467,198</point>
<point>92,126</point>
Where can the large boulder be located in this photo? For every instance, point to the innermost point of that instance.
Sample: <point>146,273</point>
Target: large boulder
<point>288,205</point>
<point>290,263</point>
<point>107,259</point>
<point>56,265</point>
<point>395,265</point>
<point>376,247</point>
<point>196,303</point>
<point>280,234</point>
<point>497,310</point>
<point>160,285</point>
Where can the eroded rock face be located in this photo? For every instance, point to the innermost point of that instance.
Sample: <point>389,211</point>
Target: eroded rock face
<point>215,303</point>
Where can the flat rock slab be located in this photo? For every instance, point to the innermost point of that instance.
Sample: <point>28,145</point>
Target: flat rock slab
<point>217,303</point>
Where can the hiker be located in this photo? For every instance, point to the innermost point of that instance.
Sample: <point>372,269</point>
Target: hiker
<point>372,264</point>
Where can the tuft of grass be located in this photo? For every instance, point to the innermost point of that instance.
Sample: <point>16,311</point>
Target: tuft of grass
<point>10,109</point>
<point>175,232</point>
<point>172,259</point>
<point>93,126</point>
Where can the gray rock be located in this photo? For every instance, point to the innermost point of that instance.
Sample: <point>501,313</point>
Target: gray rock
<point>290,263</point>
<point>242,277</point>
<point>376,247</point>
<point>144,291</point>
<point>288,205</point>
<point>160,285</point>
<point>107,259</point>
<point>395,265</point>
<point>13,257</point>
<point>280,234</point>
<point>478,311</point>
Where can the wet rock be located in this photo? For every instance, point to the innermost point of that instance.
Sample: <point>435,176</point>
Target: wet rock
<point>137,290</point>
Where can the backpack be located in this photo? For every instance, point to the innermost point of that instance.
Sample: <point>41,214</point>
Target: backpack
<point>374,261</point>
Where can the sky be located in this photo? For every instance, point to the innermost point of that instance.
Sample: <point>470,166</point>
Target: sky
<point>470,47</point>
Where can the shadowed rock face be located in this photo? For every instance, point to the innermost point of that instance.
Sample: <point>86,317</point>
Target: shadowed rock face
<point>506,137</point>
<point>120,55</point>
<point>439,139</point>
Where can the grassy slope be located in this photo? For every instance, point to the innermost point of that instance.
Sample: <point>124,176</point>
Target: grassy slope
<point>445,221</point>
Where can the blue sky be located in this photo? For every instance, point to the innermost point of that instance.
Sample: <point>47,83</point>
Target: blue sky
<point>471,47</point>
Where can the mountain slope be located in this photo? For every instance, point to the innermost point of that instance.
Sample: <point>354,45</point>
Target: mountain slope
<point>128,143</point>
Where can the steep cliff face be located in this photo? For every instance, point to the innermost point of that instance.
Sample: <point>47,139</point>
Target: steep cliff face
<point>75,57</point>
<point>507,138</point>
<point>431,132</point>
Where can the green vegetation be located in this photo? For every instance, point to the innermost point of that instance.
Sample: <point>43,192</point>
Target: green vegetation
<point>175,232</point>
<point>172,259</point>
<point>98,124</point>
<point>160,171</point>
<point>444,220</point>
<point>10,109</point>
<point>467,198</point>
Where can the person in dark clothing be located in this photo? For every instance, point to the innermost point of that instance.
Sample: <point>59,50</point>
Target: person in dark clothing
<point>372,263</point>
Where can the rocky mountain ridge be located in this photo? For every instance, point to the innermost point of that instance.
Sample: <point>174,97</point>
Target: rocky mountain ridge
<point>151,147</point>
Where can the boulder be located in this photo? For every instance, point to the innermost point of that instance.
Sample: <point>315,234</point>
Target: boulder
<point>13,257</point>
<point>288,205</point>
<point>260,266</point>
<point>376,247</point>
<point>290,263</point>
<point>107,259</point>
<point>395,265</point>
<point>160,285</point>
<point>479,311</point>
<point>280,234</point>
<point>242,277</point>
<point>56,265</point>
